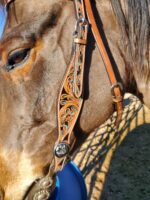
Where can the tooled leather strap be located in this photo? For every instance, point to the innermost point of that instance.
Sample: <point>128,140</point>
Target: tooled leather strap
<point>116,87</point>
<point>71,93</point>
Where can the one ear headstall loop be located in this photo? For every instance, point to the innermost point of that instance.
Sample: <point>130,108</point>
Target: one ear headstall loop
<point>116,87</point>
<point>70,97</point>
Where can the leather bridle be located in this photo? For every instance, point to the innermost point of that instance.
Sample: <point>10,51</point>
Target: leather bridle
<point>70,97</point>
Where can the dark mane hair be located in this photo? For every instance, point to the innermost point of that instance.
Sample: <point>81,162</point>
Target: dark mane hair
<point>133,19</point>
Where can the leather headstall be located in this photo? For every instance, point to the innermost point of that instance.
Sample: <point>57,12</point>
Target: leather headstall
<point>71,94</point>
<point>70,97</point>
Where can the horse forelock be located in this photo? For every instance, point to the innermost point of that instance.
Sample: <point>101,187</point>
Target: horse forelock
<point>133,19</point>
<point>39,19</point>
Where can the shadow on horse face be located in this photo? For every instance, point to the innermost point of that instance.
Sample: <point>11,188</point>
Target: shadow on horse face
<point>33,61</point>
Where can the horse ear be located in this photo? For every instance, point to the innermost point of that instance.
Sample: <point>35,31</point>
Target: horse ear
<point>5,2</point>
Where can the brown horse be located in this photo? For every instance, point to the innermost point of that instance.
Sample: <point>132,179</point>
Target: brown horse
<point>34,52</point>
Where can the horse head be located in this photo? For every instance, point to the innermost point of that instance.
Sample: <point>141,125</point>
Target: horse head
<point>33,61</point>
<point>34,52</point>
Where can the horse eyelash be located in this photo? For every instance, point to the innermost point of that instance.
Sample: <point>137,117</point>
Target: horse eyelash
<point>23,54</point>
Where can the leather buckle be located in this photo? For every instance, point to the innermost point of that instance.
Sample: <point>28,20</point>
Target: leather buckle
<point>80,41</point>
<point>117,99</point>
<point>81,22</point>
<point>120,87</point>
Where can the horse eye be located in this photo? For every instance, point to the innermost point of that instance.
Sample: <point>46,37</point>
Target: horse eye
<point>17,58</point>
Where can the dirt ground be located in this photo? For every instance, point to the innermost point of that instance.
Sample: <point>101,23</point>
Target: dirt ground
<point>116,164</point>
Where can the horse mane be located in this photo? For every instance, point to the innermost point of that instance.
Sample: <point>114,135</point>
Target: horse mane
<point>133,19</point>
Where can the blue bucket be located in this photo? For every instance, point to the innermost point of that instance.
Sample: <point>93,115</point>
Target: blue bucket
<point>70,184</point>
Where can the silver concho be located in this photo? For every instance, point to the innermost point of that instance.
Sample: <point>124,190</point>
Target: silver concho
<point>46,182</point>
<point>61,149</point>
<point>41,195</point>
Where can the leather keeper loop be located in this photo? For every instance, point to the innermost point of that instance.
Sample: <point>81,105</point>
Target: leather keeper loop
<point>80,41</point>
<point>117,99</point>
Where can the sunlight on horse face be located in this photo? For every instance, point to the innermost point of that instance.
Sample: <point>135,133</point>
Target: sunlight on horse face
<point>32,56</point>
<point>34,53</point>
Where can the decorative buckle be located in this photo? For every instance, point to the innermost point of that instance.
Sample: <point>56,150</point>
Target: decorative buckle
<point>80,23</point>
<point>46,182</point>
<point>41,195</point>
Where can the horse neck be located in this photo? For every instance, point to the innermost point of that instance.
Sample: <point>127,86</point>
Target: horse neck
<point>133,19</point>
<point>134,54</point>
